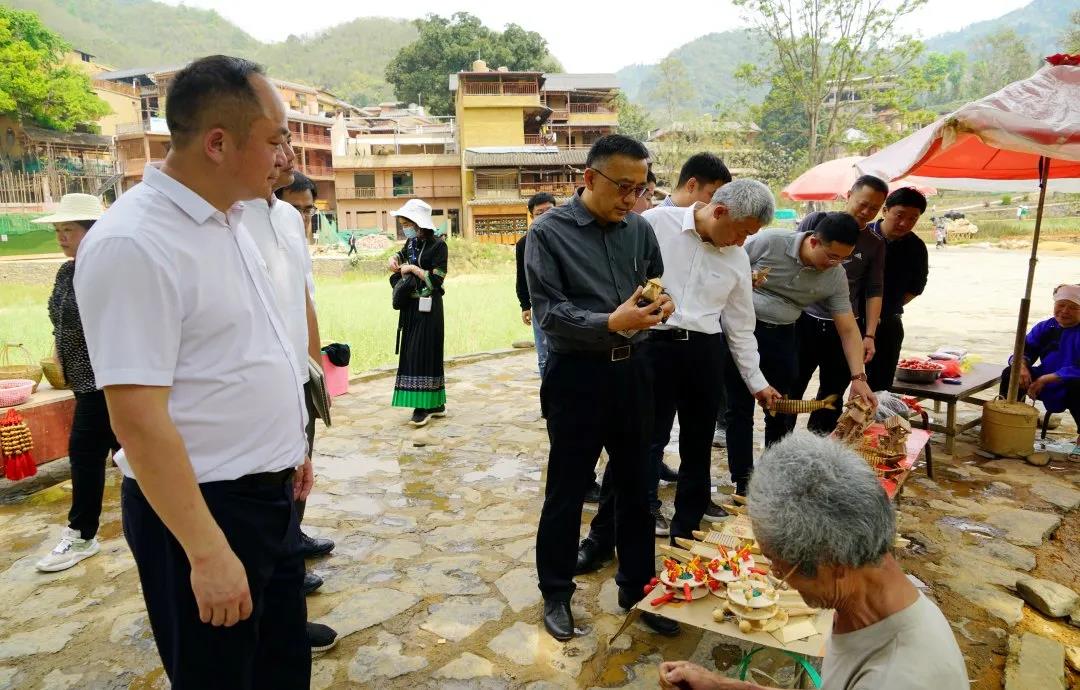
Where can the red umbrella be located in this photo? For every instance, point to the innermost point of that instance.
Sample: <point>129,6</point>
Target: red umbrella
<point>1025,136</point>
<point>832,180</point>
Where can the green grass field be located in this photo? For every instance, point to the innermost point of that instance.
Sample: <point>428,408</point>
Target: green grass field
<point>43,242</point>
<point>481,314</point>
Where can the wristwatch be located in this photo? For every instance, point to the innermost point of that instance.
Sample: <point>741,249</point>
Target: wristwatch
<point>859,377</point>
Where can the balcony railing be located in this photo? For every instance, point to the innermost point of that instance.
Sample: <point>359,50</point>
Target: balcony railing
<point>506,190</point>
<point>501,88</point>
<point>590,108</point>
<point>422,191</point>
<point>317,170</point>
<point>303,138</point>
<point>115,86</point>
<point>537,140</point>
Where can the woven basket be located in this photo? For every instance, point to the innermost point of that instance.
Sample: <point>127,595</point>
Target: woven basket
<point>15,391</point>
<point>54,374</point>
<point>9,371</point>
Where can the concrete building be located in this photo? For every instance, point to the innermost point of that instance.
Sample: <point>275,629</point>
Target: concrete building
<point>521,133</point>
<point>385,155</point>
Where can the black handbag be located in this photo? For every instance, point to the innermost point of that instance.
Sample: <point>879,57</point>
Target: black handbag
<point>404,289</point>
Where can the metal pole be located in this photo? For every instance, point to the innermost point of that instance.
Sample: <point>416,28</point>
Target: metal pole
<point>1025,304</point>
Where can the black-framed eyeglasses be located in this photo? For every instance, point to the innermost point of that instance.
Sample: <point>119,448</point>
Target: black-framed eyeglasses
<point>625,188</point>
<point>306,210</point>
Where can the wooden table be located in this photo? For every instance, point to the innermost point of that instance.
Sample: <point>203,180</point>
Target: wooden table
<point>980,378</point>
<point>48,414</point>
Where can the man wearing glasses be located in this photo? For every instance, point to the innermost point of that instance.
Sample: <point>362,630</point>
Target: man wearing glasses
<point>804,268</point>
<point>818,344</point>
<point>586,263</point>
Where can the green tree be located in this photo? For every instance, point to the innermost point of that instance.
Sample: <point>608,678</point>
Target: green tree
<point>673,89</point>
<point>947,73</point>
<point>420,70</point>
<point>828,47</point>
<point>999,59</point>
<point>34,85</point>
<point>634,121</point>
<point>1070,41</point>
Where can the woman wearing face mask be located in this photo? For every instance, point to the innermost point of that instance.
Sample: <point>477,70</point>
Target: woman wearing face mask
<point>420,383</point>
<point>91,437</point>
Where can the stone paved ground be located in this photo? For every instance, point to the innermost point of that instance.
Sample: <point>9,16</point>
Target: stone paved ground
<point>432,583</point>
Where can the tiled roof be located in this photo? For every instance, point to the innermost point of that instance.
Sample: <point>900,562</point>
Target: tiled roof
<point>475,159</point>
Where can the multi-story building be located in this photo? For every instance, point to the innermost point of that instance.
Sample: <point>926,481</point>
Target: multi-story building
<point>389,154</point>
<point>521,133</point>
<point>145,138</point>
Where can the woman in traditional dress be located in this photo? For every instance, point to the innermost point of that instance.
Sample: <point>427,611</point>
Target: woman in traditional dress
<point>420,383</point>
<point>91,438</point>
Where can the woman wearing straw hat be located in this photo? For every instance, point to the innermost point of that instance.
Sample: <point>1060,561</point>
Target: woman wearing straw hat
<point>91,437</point>
<point>420,383</point>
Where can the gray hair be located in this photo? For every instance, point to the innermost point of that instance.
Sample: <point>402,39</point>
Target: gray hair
<point>814,501</point>
<point>746,198</point>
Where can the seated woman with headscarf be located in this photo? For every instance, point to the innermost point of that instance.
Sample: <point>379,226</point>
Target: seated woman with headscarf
<point>1050,371</point>
<point>821,516</point>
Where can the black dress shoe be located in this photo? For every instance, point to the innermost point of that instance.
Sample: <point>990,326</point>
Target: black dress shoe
<point>657,624</point>
<point>715,513</point>
<point>311,583</point>
<point>558,620</point>
<point>593,494</point>
<point>312,547</point>
<point>592,557</point>
<point>667,474</point>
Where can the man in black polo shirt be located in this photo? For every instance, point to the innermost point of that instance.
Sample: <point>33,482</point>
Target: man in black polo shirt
<point>586,262</point>
<point>906,269</point>
<point>818,340</point>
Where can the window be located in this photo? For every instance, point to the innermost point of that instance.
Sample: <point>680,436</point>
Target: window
<point>364,180</point>
<point>403,184</point>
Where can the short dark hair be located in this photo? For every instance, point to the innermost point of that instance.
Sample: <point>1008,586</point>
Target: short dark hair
<point>704,167</point>
<point>300,183</point>
<point>907,196</point>
<point>651,177</point>
<point>615,145</point>
<point>838,226</point>
<point>541,198</point>
<point>875,183</point>
<point>87,224</point>
<point>213,91</point>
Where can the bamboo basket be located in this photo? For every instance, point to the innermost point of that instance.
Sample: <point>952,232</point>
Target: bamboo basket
<point>1008,428</point>
<point>54,374</point>
<point>29,370</point>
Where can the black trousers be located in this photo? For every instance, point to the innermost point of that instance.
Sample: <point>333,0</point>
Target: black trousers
<point>778,349</point>
<point>882,368</point>
<point>309,430</point>
<point>820,349</point>
<point>268,650</point>
<point>89,445</point>
<point>592,404</point>
<point>1072,394</point>
<point>685,378</point>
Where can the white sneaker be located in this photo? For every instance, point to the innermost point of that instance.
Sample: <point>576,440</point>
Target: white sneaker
<point>71,549</point>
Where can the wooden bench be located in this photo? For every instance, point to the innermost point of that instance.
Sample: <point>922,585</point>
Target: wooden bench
<point>980,378</point>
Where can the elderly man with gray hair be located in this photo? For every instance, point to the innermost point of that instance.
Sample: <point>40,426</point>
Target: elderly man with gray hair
<point>707,274</point>
<point>823,519</point>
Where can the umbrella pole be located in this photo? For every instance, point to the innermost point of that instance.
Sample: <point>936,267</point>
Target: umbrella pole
<point>1025,304</point>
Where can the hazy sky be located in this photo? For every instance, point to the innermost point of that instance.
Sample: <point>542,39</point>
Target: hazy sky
<point>585,36</point>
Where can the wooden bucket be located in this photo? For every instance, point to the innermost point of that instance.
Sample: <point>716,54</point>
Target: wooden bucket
<point>1008,428</point>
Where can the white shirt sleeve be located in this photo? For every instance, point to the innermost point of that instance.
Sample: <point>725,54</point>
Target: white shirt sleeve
<point>738,321</point>
<point>131,313</point>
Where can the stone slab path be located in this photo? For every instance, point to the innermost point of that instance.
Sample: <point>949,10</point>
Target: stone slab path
<point>433,581</point>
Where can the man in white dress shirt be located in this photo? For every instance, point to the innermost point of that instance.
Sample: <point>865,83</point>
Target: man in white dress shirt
<point>707,274</point>
<point>203,389</point>
<point>279,233</point>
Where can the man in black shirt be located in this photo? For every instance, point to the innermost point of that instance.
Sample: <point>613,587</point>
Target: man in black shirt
<point>586,262</point>
<point>539,204</point>
<point>906,269</point>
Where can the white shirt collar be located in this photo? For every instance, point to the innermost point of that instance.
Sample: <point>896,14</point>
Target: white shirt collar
<point>199,209</point>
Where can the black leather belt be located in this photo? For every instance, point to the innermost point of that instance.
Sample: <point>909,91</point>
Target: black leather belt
<point>266,478</point>
<point>765,324</point>
<point>671,334</point>
<point>615,354</point>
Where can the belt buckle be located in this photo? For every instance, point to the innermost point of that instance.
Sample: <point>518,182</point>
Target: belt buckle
<point>620,353</point>
<point>681,334</point>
